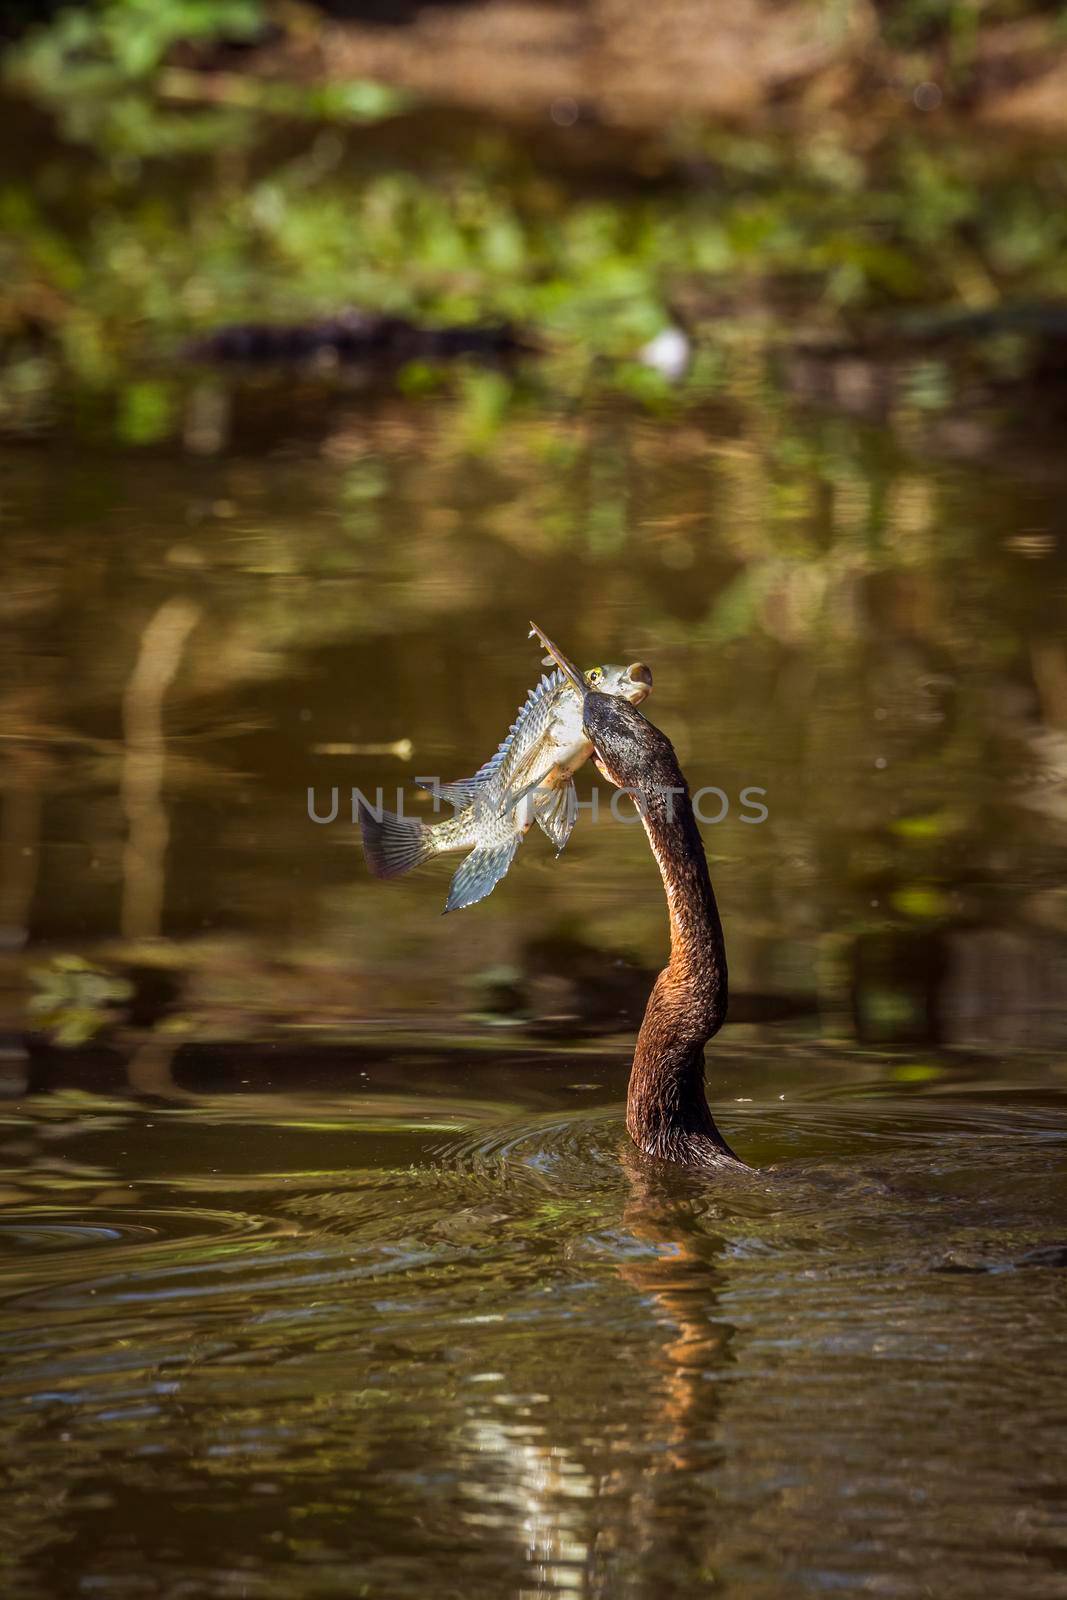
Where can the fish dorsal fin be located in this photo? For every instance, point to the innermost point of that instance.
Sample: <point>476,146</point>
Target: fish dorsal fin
<point>460,793</point>
<point>492,769</point>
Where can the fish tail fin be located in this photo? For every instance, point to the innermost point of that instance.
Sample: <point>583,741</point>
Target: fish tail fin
<point>392,844</point>
<point>479,874</point>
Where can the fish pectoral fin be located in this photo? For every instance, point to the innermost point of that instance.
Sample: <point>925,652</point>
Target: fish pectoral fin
<point>480,873</point>
<point>528,788</point>
<point>555,811</point>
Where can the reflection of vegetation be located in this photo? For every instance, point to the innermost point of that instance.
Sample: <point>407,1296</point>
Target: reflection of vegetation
<point>828,615</point>
<point>74,1000</point>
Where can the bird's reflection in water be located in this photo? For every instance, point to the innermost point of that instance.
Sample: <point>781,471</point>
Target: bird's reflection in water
<point>618,1502</point>
<point>658,1539</point>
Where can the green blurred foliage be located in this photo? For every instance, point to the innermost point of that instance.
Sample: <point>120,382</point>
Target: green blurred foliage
<point>107,74</point>
<point>181,208</point>
<point>955,23</point>
<point>95,49</point>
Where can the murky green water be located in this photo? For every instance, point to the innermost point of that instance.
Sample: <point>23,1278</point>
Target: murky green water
<point>867,636</point>
<point>325,1269</point>
<point>328,1338</point>
<point>354,1309</point>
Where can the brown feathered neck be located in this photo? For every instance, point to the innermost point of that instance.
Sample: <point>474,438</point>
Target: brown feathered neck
<point>666,1109</point>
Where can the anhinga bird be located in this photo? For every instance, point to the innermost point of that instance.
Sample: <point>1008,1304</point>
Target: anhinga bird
<point>666,1108</point>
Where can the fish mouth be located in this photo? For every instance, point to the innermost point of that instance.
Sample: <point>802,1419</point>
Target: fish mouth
<point>565,666</point>
<point>640,677</point>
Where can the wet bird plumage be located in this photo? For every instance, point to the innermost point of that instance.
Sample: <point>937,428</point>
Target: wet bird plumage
<point>667,1112</point>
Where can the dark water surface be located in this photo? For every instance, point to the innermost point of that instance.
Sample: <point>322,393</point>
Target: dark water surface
<point>324,1265</point>
<point>331,1339</point>
<point>325,1269</point>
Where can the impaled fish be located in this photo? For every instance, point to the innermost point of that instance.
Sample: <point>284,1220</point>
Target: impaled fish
<point>528,779</point>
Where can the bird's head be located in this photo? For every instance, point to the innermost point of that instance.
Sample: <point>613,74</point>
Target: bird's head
<point>632,683</point>
<point>633,752</point>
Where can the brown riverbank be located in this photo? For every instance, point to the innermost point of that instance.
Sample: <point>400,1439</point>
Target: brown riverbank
<point>637,66</point>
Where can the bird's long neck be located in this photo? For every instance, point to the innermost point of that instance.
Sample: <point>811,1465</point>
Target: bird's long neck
<point>667,1112</point>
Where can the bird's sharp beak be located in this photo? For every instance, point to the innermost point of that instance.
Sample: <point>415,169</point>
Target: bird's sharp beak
<point>560,659</point>
<point>640,678</point>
